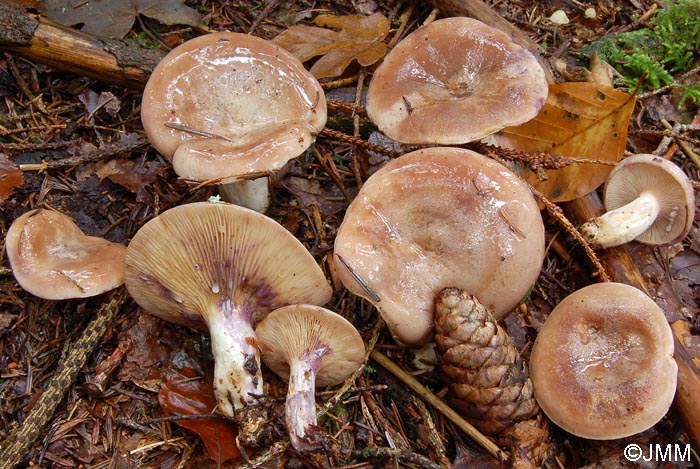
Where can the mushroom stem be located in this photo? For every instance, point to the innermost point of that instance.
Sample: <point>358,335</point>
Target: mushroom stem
<point>250,193</point>
<point>623,224</point>
<point>237,376</point>
<point>300,407</point>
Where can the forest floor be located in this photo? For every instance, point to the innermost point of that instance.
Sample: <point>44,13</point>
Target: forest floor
<point>117,412</point>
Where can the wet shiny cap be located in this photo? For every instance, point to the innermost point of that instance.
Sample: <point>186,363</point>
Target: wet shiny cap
<point>453,81</point>
<point>53,259</point>
<point>437,218</point>
<point>227,106</point>
<point>602,365</point>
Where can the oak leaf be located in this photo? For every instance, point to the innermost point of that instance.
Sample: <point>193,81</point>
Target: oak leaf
<point>351,37</point>
<point>114,18</point>
<point>583,120</point>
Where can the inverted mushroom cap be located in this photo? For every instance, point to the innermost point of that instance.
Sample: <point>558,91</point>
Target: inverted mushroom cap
<point>287,333</point>
<point>436,218</point>
<point>455,80</point>
<point>666,182</point>
<point>602,365</point>
<point>188,261</point>
<point>53,259</point>
<point>253,104</point>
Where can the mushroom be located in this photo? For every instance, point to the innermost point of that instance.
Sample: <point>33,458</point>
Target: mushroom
<point>453,81</point>
<point>308,346</point>
<point>53,259</point>
<point>435,218</point>
<point>648,199</point>
<point>227,107</point>
<point>602,365</point>
<point>221,267</point>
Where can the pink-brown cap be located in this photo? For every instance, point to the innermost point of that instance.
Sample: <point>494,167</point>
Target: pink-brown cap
<point>436,218</point>
<point>53,259</point>
<point>602,365</point>
<point>453,81</point>
<point>246,106</point>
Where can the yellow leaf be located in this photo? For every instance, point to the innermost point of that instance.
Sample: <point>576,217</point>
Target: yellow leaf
<point>584,120</point>
<point>358,37</point>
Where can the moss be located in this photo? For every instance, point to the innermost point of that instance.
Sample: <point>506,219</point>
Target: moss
<point>670,45</point>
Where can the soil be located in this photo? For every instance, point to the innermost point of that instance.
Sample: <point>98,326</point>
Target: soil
<point>117,410</point>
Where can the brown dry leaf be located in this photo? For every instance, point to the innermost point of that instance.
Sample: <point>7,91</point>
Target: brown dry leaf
<point>584,120</point>
<point>114,18</point>
<point>183,394</point>
<point>10,177</point>
<point>358,38</point>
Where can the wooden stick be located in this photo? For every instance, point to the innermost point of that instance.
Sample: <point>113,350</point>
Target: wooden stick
<point>37,39</point>
<point>433,400</point>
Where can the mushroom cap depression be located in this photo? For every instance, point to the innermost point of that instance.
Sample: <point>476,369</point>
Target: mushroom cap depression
<point>286,333</point>
<point>436,218</point>
<point>455,80</point>
<point>252,104</point>
<point>602,365</point>
<point>53,259</point>
<point>188,261</point>
<point>669,185</point>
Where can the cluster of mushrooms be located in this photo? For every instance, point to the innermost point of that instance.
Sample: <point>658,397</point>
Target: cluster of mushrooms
<point>233,109</point>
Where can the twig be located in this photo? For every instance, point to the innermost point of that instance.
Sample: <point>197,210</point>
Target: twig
<point>18,443</point>
<point>343,137</point>
<point>433,400</point>
<point>405,455</point>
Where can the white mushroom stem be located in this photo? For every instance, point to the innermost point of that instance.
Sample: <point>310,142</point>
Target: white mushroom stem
<point>250,193</point>
<point>300,408</point>
<point>623,224</point>
<point>237,376</point>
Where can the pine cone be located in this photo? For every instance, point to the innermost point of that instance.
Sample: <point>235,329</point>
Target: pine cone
<point>489,384</point>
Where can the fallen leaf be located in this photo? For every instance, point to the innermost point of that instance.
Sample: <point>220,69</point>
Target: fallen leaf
<point>94,102</point>
<point>184,394</point>
<point>309,192</point>
<point>584,120</point>
<point>10,177</point>
<point>359,38</point>
<point>114,18</point>
<point>127,173</point>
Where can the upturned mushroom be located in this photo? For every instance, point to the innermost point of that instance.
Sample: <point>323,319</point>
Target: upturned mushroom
<point>221,267</point>
<point>648,199</point>
<point>453,81</point>
<point>308,346</point>
<point>436,218</point>
<point>53,259</point>
<point>602,365</point>
<point>228,107</point>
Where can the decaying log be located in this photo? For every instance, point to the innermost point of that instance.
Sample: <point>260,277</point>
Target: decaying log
<point>37,39</point>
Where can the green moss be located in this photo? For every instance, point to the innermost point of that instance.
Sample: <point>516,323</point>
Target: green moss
<point>670,45</point>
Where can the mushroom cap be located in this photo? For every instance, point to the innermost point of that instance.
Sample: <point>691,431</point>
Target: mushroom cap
<point>435,218</point>
<point>285,334</point>
<point>455,80</point>
<point>193,260</point>
<point>256,101</point>
<point>53,259</point>
<point>645,173</point>
<point>602,365</point>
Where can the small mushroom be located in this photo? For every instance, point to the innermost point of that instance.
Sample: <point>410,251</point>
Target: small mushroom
<point>453,81</point>
<point>221,267</point>
<point>227,107</point>
<point>602,365</point>
<point>53,259</point>
<point>648,199</point>
<point>309,346</point>
<point>436,218</point>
